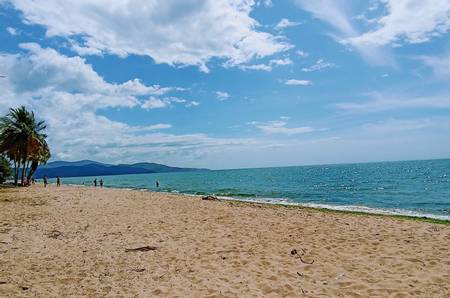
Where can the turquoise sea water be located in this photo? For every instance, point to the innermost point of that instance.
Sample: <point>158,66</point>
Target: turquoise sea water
<point>419,188</point>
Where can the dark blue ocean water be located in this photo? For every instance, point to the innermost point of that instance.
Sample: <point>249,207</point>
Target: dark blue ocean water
<point>420,188</point>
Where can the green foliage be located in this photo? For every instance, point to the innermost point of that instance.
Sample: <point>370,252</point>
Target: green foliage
<point>5,169</point>
<point>23,141</point>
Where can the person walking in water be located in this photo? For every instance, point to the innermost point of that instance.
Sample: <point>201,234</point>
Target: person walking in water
<point>101,182</point>
<point>45,181</point>
<point>95,182</point>
<point>157,183</point>
<point>58,181</point>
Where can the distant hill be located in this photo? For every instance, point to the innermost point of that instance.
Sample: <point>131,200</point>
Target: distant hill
<point>57,164</point>
<point>93,168</point>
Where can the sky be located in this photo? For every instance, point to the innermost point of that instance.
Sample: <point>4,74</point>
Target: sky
<point>231,83</point>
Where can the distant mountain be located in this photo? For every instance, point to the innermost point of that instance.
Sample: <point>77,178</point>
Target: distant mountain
<point>57,164</point>
<point>93,168</point>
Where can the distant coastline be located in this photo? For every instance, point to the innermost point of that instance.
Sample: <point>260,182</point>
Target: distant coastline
<point>92,168</point>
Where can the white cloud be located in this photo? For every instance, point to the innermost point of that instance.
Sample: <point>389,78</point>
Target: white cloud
<point>222,95</point>
<point>266,3</point>
<point>337,13</point>
<point>176,32</point>
<point>268,66</point>
<point>154,103</point>
<point>99,138</point>
<point>285,61</point>
<point>330,11</point>
<point>302,53</point>
<point>12,31</point>
<point>319,65</point>
<point>279,127</point>
<point>192,103</point>
<point>295,82</point>
<point>263,67</point>
<point>381,102</point>
<point>153,127</point>
<point>285,23</point>
<point>395,126</point>
<point>407,21</point>
<point>403,21</point>
<point>158,103</point>
<point>439,64</point>
<point>45,71</point>
<point>158,126</point>
<point>85,51</point>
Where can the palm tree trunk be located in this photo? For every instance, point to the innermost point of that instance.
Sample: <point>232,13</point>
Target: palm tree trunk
<point>33,168</point>
<point>16,172</point>
<point>24,170</point>
<point>17,159</point>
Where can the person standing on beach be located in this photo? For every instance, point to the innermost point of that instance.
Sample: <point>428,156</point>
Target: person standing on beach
<point>157,183</point>
<point>95,182</point>
<point>45,181</point>
<point>101,182</point>
<point>58,181</point>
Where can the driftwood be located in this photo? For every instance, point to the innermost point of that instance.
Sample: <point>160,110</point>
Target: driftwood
<point>143,248</point>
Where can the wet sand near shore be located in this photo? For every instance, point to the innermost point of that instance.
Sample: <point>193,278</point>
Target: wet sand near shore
<point>79,241</point>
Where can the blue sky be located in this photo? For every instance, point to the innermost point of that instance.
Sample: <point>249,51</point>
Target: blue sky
<point>232,83</point>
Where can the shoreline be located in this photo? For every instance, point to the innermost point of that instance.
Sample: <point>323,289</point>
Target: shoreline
<point>357,210</point>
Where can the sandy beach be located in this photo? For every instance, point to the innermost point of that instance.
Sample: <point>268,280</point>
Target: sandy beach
<point>78,241</point>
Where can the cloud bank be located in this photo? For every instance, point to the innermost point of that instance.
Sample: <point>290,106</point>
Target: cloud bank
<point>176,32</point>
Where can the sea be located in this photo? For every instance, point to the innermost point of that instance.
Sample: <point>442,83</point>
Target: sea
<point>414,188</point>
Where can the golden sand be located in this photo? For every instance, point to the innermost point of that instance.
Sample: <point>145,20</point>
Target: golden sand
<point>76,241</point>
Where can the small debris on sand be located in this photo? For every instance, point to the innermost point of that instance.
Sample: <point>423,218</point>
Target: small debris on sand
<point>55,234</point>
<point>142,249</point>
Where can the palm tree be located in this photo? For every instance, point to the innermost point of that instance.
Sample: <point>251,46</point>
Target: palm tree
<point>39,157</point>
<point>23,141</point>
